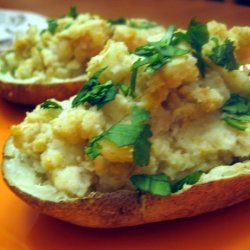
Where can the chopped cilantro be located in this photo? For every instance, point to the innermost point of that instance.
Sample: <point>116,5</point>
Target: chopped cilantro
<point>236,111</point>
<point>93,149</point>
<point>133,79</point>
<point>133,23</point>
<point>72,12</point>
<point>223,55</point>
<point>156,54</point>
<point>141,24</point>
<point>189,179</point>
<point>95,93</point>
<point>157,184</point>
<point>124,88</point>
<point>67,26</point>
<point>135,134</point>
<point>50,105</point>
<point>139,115</point>
<point>52,25</point>
<point>237,105</point>
<point>234,122</point>
<point>141,153</point>
<point>197,35</point>
<point>117,21</point>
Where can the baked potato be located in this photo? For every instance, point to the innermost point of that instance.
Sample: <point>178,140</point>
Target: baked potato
<point>157,133</point>
<point>52,63</point>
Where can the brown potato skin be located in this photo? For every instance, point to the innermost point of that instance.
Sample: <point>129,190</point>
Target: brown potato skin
<point>128,208</point>
<point>32,94</point>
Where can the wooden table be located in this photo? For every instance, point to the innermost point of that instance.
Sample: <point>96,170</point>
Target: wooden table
<point>178,12</point>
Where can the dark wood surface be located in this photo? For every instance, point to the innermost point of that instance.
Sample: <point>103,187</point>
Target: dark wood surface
<point>178,12</point>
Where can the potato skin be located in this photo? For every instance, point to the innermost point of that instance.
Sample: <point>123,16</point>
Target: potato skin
<point>128,208</point>
<point>31,94</point>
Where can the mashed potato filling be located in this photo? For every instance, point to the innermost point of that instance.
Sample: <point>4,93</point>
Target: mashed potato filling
<point>188,132</point>
<point>62,51</point>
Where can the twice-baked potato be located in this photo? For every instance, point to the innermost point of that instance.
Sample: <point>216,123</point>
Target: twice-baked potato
<point>157,133</point>
<point>52,63</point>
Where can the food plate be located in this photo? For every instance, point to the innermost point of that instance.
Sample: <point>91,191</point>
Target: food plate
<point>23,228</point>
<point>12,21</point>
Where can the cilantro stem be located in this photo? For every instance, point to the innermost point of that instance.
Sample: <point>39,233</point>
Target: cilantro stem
<point>232,122</point>
<point>133,82</point>
<point>169,34</point>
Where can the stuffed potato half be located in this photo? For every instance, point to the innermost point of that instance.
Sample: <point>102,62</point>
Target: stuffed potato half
<point>51,63</point>
<point>220,188</point>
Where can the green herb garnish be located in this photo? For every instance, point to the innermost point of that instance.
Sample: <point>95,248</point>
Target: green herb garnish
<point>72,12</point>
<point>117,21</point>
<point>67,26</point>
<point>155,55</point>
<point>95,93</point>
<point>50,105</point>
<point>197,35</point>
<point>157,184</point>
<point>189,179</point>
<point>135,134</point>
<point>142,24</point>
<point>223,55</point>
<point>236,111</point>
<point>124,88</point>
<point>52,25</point>
<point>235,122</point>
<point>133,23</point>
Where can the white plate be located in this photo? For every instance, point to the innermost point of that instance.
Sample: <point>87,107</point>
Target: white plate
<point>12,21</point>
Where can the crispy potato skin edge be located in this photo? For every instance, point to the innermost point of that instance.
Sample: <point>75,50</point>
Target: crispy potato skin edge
<point>128,208</point>
<point>33,94</point>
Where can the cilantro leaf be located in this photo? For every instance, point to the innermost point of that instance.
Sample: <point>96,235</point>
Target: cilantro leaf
<point>157,184</point>
<point>236,111</point>
<point>133,23</point>
<point>123,134</point>
<point>50,105</point>
<point>156,55</point>
<point>95,93</point>
<point>197,35</point>
<point>223,55</point>
<point>189,179</point>
<point>139,115</point>
<point>234,122</point>
<point>52,25</point>
<point>201,63</point>
<point>141,153</point>
<point>116,21</point>
<point>72,12</point>
<point>93,149</point>
<point>135,134</point>
<point>67,26</point>
<point>142,24</point>
<point>134,72</point>
<point>237,105</point>
<point>124,88</point>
